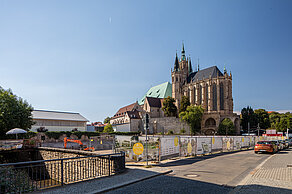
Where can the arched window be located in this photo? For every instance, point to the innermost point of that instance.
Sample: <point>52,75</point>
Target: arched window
<point>195,95</point>
<point>200,95</point>
<point>214,92</point>
<point>207,96</point>
<point>221,97</point>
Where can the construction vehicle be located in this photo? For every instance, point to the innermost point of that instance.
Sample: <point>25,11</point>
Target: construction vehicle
<point>84,147</point>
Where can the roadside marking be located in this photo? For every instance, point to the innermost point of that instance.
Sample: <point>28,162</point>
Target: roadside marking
<point>244,181</point>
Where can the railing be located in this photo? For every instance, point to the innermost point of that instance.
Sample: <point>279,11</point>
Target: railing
<point>35,175</point>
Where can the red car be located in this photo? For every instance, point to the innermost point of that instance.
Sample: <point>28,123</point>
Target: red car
<point>266,146</point>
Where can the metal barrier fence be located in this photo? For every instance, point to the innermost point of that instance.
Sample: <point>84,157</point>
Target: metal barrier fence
<point>165,147</point>
<point>35,175</point>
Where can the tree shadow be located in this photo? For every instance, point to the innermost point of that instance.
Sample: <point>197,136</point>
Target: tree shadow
<point>195,159</point>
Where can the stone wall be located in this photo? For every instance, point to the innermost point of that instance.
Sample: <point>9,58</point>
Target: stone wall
<point>165,124</point>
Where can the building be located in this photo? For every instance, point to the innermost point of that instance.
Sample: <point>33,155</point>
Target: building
<point>209,88</point>
<point>127,119</point>
<point>58,121</point>
<point>153,106</point>
<point>160,91</point>
<point>96,126</point>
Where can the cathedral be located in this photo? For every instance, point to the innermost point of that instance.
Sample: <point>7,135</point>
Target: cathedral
<point>209,88</point>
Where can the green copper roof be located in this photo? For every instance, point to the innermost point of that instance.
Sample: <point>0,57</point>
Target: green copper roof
<point>160,91</point>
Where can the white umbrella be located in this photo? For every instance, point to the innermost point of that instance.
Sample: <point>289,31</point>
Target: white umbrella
<point>16,131</point>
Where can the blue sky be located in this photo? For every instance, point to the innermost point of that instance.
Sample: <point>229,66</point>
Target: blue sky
<point>94,57</point>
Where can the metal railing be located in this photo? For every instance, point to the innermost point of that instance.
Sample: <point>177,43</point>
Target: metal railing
<point>35,175</point>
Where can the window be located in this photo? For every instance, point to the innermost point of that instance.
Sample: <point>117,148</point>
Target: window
<point>221,97</point>
<point>214,92</point>
<point>207,96</point>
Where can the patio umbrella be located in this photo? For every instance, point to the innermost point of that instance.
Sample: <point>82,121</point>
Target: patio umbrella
<point>16,131</point>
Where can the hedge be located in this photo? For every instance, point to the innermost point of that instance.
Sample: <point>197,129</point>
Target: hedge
<point>58,134</point>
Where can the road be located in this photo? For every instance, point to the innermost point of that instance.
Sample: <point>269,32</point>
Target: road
<point>208,174</point>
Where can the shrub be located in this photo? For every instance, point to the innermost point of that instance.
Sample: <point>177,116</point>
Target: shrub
<point>170,132</point>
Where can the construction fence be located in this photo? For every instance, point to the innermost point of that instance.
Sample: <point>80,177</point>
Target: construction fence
<point>166,147</point>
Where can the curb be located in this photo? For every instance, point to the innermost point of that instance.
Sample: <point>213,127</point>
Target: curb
<point>130,182</point>
<point>244,181</point>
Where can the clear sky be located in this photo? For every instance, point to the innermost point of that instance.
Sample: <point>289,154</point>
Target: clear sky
<point>94,57</point>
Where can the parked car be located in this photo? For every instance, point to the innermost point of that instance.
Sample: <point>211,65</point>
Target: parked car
<point>280,145</point>
<point>283,144</point>
<point>266,146</point>
<point>289,142</point>
<point>286,144</point>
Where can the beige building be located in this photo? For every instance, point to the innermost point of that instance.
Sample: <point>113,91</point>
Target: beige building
<point>127,119</point>
<point>58,121</point>
<point>209,88</point>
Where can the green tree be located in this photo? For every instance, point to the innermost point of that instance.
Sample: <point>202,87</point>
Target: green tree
<point>193,116</point>
<point>14,112</point>
<point>107,120</point>
<point>108,128</point>
<point>248,115</point>
<point>226,127</point>
<point>185,102</point>
<point>279,121</point>
<point>263,118</point>
<point>169,107</point>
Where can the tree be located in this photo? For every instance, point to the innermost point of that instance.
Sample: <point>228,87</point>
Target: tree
<point>107,120</point>
<point>193,116</point>
<point>108,128</point>
<point>226,127</point>
<point>169,107</point>
<point>248,116</point>
<point>263,118</point>
<point>185,102</point>
<point>279,121</point>
<point>14,112</point>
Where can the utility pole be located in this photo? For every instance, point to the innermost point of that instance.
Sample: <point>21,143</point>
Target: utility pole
<point>248,127</point>
<point>146,129</point>
<point>258,129</point>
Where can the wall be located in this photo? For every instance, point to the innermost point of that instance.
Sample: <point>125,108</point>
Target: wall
<point>165,124</point>
<point>122,127</point>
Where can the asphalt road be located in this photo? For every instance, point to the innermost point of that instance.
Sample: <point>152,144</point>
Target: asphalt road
<point>207,174</point>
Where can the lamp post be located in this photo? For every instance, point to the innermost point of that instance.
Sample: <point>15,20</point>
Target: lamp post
<point>258,129</point>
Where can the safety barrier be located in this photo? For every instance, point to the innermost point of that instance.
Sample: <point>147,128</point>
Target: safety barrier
<point>35,175</point>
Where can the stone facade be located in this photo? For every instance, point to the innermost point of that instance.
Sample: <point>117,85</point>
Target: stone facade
<point>165,124</point>
<point>209,88</point>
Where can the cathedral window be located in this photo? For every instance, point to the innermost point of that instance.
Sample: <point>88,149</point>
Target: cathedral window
<point>221,97</point>
<point>195,94</point>
<point>200,94</point>
<point>214,92</point>
<point>207,97</point>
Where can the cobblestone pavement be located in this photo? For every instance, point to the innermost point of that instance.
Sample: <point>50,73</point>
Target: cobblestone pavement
<point>273,176</point>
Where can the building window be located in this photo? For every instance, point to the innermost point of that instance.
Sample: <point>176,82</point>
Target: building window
<point>221,97</point>
<point>200,94</point>
<point>207,96</point>
<point>214,92</point>
<point>195,95</point>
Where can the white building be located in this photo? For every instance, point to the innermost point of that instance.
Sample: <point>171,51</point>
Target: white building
<point>58,121</point>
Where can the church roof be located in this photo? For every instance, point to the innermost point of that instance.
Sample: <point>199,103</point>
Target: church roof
<point>155,102</point>
<point>160,91</point>
<point>204,74</point>
<point>122,111</point>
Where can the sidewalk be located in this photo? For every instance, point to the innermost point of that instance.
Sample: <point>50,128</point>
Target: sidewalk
<point>132,175</point>
<point>271,176</point>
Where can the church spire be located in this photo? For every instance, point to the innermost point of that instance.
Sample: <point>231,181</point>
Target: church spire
<point>176,65</point>
<point>198,64</point>
<point>183,56</point>
<point>190,65</point>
